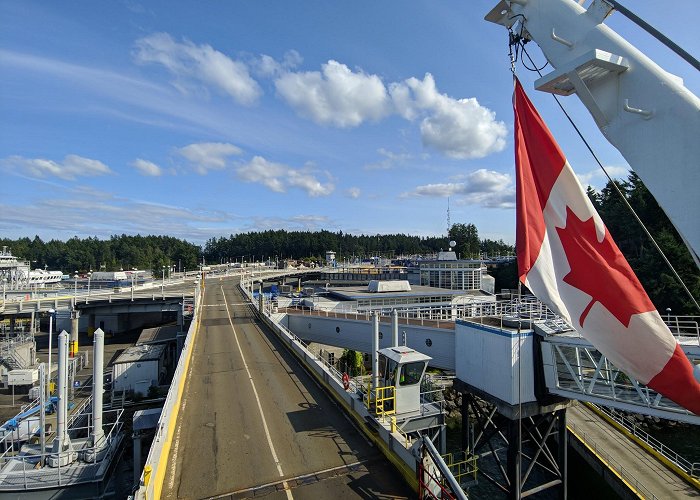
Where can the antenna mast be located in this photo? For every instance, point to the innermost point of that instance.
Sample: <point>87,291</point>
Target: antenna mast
<point>448,217</point>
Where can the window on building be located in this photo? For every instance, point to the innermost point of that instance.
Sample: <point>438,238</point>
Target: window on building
<point>411,373</point>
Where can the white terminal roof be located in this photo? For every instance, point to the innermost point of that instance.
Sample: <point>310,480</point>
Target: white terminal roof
<point>139,353</point>
<point>361,292</point>
<point>389,286</point>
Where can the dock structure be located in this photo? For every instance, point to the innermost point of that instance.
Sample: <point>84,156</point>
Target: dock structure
<point>278,418</point>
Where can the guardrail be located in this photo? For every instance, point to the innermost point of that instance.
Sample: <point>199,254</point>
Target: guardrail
<point>33,478</point>
<point>626,476</point>
<point>692,469</point>
<point>153,290</point>
<point>355,398</point>
<point>153,473</point>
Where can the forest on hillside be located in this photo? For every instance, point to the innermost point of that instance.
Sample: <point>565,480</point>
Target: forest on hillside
<point>314,244</point>
<point>118,252</point>
<point>154,252</point>
<point>658,280</point>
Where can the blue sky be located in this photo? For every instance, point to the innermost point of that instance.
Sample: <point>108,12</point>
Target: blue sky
<point>203,119</point>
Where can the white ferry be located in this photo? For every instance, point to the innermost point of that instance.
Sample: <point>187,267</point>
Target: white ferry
<point>17,274</point>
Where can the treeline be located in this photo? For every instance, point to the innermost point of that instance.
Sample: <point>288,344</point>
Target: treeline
<point>658,280</point>
<point>154,252</point>
<point>118,252</point>
<point>307,244</point>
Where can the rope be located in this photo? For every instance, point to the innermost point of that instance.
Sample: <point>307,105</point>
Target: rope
<point>617,188</point>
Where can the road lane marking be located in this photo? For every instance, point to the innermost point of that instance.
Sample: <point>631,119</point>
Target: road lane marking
<point>257,399</point>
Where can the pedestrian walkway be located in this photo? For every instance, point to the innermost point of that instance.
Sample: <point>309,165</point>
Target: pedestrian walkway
<point>643,473</point>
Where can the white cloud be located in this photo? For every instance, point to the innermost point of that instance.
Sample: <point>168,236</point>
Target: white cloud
<point>486,188</point>
<point>279,177</point>
<point>206,156</point>
<point>72,166</point>
<point>341,97</point>
<point>309,183</point>
<point>297,222</point>
<point>264,172</point>
<point>353,192</point>
<point>335,96</point>
<point>268,67</point>
<point>98,213</point>
<point>390,160</point>
<point>147,168</point>
<point>439,190</point>
<point>459,128</point>
<point>597,178</point>
<point>187,61</point>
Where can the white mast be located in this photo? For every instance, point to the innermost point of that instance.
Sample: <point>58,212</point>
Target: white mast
<point>644,111</point>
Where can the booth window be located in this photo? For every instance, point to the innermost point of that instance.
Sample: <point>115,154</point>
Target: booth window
<point>411,373</point>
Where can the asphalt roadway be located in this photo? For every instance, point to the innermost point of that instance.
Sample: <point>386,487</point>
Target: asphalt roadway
<point>254,423</point>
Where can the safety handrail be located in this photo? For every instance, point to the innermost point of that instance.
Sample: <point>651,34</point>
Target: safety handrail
<point>462,466</point>
<point>615,466</point>
<point>693,469</point>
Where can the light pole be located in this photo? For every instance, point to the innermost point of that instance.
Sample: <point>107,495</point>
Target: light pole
<point>88,295</point>
<point>48,375</point>
<point>4,289</point>
<point>162,284</point>
<point>75,286</point>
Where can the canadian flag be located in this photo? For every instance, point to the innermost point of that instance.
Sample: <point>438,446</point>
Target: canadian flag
<point>568,259</point>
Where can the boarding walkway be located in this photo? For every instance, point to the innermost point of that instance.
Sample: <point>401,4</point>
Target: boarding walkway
<point>253,422</point>
<point>642,472</point>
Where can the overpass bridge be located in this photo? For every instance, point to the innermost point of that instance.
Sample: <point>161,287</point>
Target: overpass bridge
<point>252,421</point>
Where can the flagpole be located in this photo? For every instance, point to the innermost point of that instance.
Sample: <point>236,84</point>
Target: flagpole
<point>520,396</point>
<point>518,458</point>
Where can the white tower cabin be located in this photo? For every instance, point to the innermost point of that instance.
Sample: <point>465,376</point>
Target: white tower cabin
<point>403,368</point>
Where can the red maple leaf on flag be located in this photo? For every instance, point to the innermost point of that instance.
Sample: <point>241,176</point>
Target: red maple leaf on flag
<point>600,270</point>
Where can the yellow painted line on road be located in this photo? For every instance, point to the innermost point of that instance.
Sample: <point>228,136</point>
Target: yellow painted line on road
<point>670,465</point>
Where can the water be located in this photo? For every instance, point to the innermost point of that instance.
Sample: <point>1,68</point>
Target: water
<point>683,439</point>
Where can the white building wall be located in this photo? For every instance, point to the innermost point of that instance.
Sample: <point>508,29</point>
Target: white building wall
<point>128,376</point>
<point>357,335</point>
<point>490,359</point>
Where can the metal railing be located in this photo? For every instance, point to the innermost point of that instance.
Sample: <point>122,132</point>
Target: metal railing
<point>33,477</point>
<point>527,309</point>
<point>436,481</point>
<point>581,371</point>
<point>156,459</point>
<point>462,464</point>
<point>690,468</point>
<point>504,312</point>
<point>383,399</point>
<point>407,441</point>
<point>151,290</point>
<point>600,451</point>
